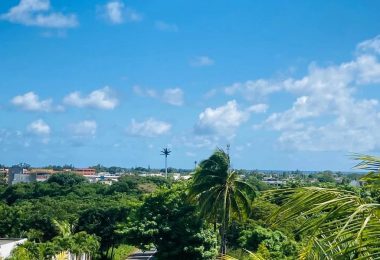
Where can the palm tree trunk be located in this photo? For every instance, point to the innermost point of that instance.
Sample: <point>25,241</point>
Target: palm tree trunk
<point>226,217</point>
<point>223,241</point>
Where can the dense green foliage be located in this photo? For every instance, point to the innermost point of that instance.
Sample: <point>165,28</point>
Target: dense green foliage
<point>31,209</point>
<point>67,179</point>
<point>217,209</point>
<point>172,225</point>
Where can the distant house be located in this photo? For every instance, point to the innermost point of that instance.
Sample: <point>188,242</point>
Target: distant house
<point>17,174</point>
<point>272,181</point>
<point>8,244</point>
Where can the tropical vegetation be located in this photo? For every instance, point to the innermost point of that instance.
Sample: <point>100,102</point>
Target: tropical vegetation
<point>219,212</point>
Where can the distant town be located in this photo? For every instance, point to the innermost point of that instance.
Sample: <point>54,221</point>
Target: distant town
<point>107,175</point>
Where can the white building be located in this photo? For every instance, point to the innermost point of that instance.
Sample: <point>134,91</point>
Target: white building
<point>8,244</point>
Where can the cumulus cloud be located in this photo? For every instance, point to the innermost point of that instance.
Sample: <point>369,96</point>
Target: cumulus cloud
<point>148,128</point>
<point>172,96</point>
<point>221,121</point>
<point>39,13</point>
<point>166,27</point>
<point>102,99</point>
<point>86,128</point>
<point>326,114</point>
<point>116,12</point>
<point>31,102</point>
<point>39,127</point>
<point>202,61</point>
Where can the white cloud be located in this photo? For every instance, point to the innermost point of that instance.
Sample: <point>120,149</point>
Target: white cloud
<point>144,92</point>
<point>253,90</point>
<point>102,99</point>
<point>211,93</point>
<point>326,115</point>
<point>84,128</point>
<point>370,45</point>
<point>39,127</point>
<point>149,128</point>
<point>202,61</point>
<point>39,13</point>
<point>116,12</point>
<point>172,96</point>
<point>258,108</point>
<point>31,102</point>
<point>221,121</point>
<point>167,27</point>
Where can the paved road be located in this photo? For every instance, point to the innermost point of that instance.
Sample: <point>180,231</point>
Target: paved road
<point>139,255</point>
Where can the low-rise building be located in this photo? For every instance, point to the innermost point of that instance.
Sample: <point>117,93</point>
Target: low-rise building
<point>17,174</point>
<point>85,171</point>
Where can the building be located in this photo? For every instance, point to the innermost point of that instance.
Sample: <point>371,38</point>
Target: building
<point>85,171</point>
<point>8,244</point>
<point>42,174</point>
<point>103,177</point>
<point>17,174</point>
<point>273,181</point>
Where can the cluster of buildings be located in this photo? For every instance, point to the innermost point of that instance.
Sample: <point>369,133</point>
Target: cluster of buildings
<point>18,173</point>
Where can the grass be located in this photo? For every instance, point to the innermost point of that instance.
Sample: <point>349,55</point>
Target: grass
<point>123,251</point>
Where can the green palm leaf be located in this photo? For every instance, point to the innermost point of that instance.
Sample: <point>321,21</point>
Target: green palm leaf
<point>219,192</point>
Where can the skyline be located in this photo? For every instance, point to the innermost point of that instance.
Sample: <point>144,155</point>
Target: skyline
<point>290,85</point>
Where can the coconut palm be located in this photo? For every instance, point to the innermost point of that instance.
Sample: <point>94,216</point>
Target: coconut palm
<point>336,224</point>
<point>166,152</point>
<point>220,193</point>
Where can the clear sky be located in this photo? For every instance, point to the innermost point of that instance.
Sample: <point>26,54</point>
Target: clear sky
<point>289,84</point>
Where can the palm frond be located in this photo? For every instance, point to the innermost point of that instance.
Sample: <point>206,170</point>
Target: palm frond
<point>367,162</point>
<point>336,223</point>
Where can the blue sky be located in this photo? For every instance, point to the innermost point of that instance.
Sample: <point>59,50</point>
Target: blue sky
<point>289,84</point>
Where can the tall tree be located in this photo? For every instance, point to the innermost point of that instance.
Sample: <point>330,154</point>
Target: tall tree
<point>220,193</point>
<point>166,152</point>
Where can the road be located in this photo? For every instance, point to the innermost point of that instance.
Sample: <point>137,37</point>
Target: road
<point>139,255</point>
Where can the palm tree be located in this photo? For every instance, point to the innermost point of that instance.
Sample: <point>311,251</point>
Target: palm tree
<point>220,193</point>
<point>337,224</point>
<point>166,152</point>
